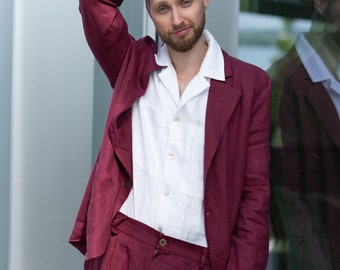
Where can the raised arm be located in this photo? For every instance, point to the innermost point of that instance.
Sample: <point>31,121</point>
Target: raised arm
<point>107,34</point>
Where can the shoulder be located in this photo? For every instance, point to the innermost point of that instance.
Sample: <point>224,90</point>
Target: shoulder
<point>137,66</point>
<point>280,70</point>
<point>245,76</point>
<point>147,43</point>
<point>146,49</point>
<point>298,81</point>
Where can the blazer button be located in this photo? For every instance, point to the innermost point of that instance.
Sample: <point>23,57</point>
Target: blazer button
<point>127,183</point>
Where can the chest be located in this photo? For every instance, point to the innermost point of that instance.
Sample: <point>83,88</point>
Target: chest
<point>168,130</point>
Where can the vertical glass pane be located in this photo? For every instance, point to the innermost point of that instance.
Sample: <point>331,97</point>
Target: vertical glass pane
<point>298,43</point>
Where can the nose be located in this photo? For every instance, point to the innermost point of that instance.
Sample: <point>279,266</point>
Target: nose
<point>177,17</point>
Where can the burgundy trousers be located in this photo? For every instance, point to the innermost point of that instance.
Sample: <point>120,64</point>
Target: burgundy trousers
<point>135,246</point>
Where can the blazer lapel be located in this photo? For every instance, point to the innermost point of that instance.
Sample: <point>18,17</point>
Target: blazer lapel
<point>324,108</point>
<point>222,101</point>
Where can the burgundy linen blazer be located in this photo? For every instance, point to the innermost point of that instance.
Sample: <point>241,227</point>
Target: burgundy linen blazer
<point>236,152</point>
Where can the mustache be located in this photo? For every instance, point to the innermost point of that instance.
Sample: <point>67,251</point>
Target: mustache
<point>181,27</point>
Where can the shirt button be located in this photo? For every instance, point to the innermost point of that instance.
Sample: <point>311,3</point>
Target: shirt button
<point>160,229</point>
<point>166,193</point>
<point>171,156</point>
<point>127,183</point>
<point>162,242</point>
<point>177,119</point>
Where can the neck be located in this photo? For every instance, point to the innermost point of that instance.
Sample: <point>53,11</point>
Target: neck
<point>188,64</point>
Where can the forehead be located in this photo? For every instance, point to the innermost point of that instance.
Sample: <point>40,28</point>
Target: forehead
<point>168,2</point>
<point>152,2</point>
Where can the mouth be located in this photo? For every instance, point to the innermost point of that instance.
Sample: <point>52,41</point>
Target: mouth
<point>181,32</point>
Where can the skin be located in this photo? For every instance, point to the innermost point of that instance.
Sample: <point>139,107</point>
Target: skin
<point>180,24</point>
<point>330,11</point>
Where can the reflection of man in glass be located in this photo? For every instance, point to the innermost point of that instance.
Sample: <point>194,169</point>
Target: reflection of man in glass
<point>309,192</point>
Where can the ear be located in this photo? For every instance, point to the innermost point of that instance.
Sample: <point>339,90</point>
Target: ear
<point>147,6</point>
<point>206,3</point>
<point>320,6</point>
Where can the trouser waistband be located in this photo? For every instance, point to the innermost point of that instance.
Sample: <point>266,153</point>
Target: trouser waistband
<point>157,240</point>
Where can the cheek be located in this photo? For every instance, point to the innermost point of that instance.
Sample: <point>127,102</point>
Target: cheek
<point>161,25</point>
<point>159,29</point>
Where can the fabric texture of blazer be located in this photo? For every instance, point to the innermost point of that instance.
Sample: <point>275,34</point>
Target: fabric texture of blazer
<point>236,152</point>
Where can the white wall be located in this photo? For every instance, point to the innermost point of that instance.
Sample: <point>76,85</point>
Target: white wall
<point>5,120</point>
<point>222,22</point>
<point>52,96</point>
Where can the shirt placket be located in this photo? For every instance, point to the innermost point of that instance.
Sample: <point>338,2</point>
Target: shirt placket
<point>172,160</point>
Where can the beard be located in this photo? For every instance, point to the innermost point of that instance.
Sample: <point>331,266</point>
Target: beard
<point>184,44</point>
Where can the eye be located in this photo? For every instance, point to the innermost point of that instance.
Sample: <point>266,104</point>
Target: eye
<point>186,3</point>
<point>162,9</point>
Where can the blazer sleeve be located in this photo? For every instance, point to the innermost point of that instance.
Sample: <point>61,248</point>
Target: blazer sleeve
<point>106,32</point>
<point>250,240</point>
<point>107,36</point>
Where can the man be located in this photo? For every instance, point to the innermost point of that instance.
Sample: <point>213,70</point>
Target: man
<point>181,180</point>
<point>308,192</point>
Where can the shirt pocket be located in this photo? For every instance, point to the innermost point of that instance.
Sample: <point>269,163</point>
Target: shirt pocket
<point>147,125</point>
<point>192,182</point>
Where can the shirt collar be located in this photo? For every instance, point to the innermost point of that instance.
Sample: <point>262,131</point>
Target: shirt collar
<point>316,68</point>
<point>212,65</point>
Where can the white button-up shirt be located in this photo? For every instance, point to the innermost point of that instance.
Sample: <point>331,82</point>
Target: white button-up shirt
<point>168,149</point>
<point>318,71</point>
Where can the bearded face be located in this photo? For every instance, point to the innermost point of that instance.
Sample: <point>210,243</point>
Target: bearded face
<point>179,23</point>
<point>186,42</point>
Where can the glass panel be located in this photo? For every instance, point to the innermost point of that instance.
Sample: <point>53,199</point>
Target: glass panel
<point>298,44</point>
<point>265,38</point>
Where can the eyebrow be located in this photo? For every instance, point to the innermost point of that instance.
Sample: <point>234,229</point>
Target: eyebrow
<point>158,3</point>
